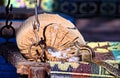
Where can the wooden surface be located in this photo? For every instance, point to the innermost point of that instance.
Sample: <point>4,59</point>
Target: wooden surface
<point>34,69</point>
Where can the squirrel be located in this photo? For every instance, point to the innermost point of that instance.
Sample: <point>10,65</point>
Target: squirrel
<point>87,54</point>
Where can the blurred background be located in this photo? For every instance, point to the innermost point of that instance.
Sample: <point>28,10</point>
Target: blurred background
<point>97,20</point>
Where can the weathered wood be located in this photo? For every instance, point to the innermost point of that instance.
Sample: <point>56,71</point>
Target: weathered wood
<point>24,67</point>
<point>12,54</point>
<point>39,72</point>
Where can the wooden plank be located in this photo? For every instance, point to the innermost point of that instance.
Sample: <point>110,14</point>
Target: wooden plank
<point>38,72</point>
<point>28,68</point>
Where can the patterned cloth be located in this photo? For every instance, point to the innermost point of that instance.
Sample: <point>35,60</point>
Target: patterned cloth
<point>107,51</point>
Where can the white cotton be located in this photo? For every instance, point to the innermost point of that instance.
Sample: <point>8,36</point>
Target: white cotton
<point>73,59</point>
<point>58,54</point>
<point>67,50</point>
<point>64,55</point>
<point>50,51</point>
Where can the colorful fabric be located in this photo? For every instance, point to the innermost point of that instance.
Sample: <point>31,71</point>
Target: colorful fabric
<point>107,51</point>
